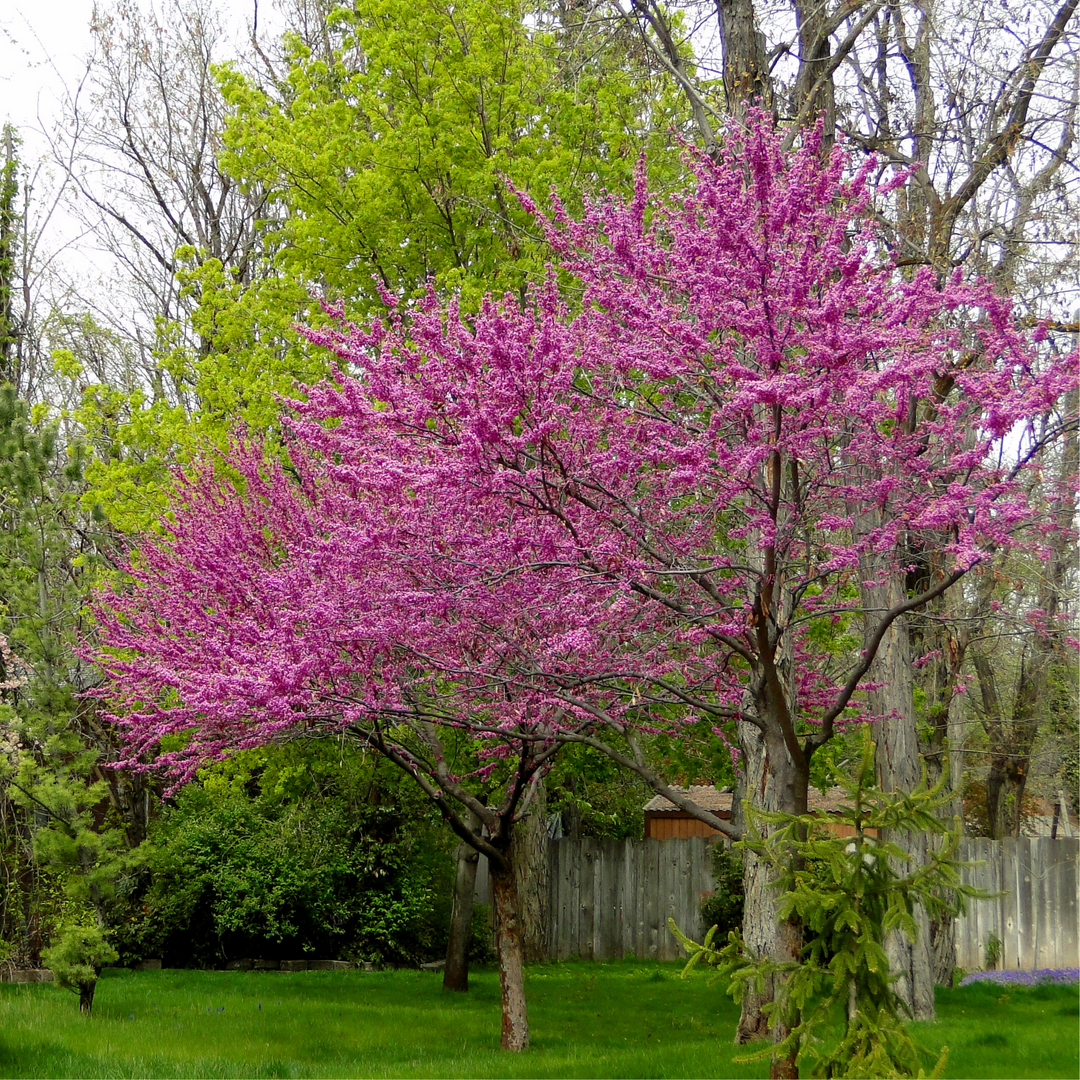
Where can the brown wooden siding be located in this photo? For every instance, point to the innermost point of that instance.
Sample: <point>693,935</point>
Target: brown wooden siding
<point>669,826</point>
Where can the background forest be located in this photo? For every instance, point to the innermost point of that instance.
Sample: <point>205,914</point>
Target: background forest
<point>368,152</point>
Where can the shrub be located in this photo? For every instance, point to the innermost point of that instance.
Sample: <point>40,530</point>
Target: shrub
<point>859,891</point>
<point>249,868</point>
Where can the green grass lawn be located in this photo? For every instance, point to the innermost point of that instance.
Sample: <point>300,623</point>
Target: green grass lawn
<point>628,1019</point>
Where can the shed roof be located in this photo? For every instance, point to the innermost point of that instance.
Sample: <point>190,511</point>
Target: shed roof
<point>705,795</point>
<point>708,798</point>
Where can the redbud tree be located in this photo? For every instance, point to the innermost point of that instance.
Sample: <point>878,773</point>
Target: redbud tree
<point>652,494</point>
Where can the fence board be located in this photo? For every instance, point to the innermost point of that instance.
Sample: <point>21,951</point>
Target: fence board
<point>643,889</point>
<point>1066,904</point>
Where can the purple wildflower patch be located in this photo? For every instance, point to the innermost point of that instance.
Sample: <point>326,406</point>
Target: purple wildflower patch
<point>1023,978</point>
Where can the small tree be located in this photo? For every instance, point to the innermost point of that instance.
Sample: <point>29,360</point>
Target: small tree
<point>48,547</point>
<point>47,772</point>
<point>848,893</point>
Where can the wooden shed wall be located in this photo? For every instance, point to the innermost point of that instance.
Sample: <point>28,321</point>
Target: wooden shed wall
<point>667,826</point>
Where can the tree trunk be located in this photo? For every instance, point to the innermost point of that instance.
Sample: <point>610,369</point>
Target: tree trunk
<point>814,55</point>
<point>745,68</point>
<point>1011,743</point>
<point>932,635</point>
<point>86,996</point>
<point>529,855</point>
<point>943,950</point>
<point>1005,786</point>
<point>509,942</point>
<point>771,782</point>
<point>899,769</point>
<point>456,973</point>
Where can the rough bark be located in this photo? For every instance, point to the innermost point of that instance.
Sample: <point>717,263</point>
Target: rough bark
<point>942,933</point>
<point>86,997</point>
<point>456,973</point>
<point>1011,743</point>
<point>815,94</point>
<point>772,781</point>
<point>529,856</point>
<point>745,68</point>
<point>509,943</point>
<point>898,768</point>
<point>934,635</point>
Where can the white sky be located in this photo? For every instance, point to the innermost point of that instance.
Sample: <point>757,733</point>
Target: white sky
<point>43,48</point>
<point>42,45</point>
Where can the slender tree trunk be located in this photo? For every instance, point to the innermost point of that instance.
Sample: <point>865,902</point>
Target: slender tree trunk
<point>509,942</point>
<point>456,973</point>
<point>86,996</point>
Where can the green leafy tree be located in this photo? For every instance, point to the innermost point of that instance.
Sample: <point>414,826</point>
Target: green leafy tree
<point>384,156</point>
<point>90,861</point>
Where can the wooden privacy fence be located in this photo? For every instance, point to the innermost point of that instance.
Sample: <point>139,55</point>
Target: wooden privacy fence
<point>1034,917</point>
<point>612,898</point>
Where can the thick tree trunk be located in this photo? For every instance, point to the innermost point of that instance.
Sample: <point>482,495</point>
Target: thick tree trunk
<point>745,67</point>
<point>771,782</point>
<point>1005,786</point>
<point>932,634</point>
<point>1011,744</point>
<point>815,96</point>
<point>509,942</point>
<point>943,950</point>
<point>86,997</point>
<point>529,855</point>
<point>456,973</point>
<point>899,769</point>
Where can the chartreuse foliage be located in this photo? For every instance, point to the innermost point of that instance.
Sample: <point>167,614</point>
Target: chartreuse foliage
<point>392,157</point>
<point>385,163</point>
<point>848,893</point>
